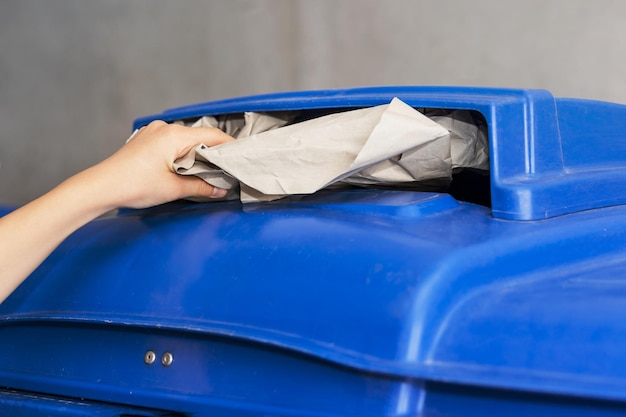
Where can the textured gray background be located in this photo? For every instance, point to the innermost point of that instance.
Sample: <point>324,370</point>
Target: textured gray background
<point>75,73</point>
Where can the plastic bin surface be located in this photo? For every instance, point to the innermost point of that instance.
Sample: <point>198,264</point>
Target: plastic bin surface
<point>353,302</point>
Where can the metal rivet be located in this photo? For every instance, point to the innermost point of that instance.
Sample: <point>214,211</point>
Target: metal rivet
<point>167,359</point>
<point>149,357</point>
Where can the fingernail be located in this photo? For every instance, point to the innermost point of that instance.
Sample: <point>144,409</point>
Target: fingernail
<point>218,192</point>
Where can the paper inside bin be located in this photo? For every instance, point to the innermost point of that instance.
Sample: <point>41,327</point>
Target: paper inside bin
<point>246,124</point>
<point>386,144</point>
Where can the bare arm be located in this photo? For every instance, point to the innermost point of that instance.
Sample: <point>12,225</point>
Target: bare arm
<point>138,175</point>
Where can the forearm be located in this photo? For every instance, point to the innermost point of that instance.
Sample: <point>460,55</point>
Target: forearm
<point>138,175</point>
<point>29,234</point>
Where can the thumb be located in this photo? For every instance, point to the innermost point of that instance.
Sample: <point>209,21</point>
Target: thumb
<point>196,187</point>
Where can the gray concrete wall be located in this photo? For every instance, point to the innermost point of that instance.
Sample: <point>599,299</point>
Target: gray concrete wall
<point>75,73</point>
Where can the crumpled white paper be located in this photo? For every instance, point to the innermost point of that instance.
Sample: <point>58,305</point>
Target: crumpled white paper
<point>386,144</point>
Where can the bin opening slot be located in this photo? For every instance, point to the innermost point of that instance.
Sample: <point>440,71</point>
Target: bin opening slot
<point>463,172</point>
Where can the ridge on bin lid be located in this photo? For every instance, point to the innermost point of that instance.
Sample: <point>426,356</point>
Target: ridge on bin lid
<point>548,156</point>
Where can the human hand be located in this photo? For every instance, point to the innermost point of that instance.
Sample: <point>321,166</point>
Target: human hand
<point>140,173</point>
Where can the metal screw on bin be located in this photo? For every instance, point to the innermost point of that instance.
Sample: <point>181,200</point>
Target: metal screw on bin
<point>149,357</point>
<point>167,359</point>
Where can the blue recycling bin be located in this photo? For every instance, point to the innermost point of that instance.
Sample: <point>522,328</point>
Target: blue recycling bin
<point>351,302</point>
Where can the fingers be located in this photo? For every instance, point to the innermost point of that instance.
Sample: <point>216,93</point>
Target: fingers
<point>210,136</point>
<point>182,138</point>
